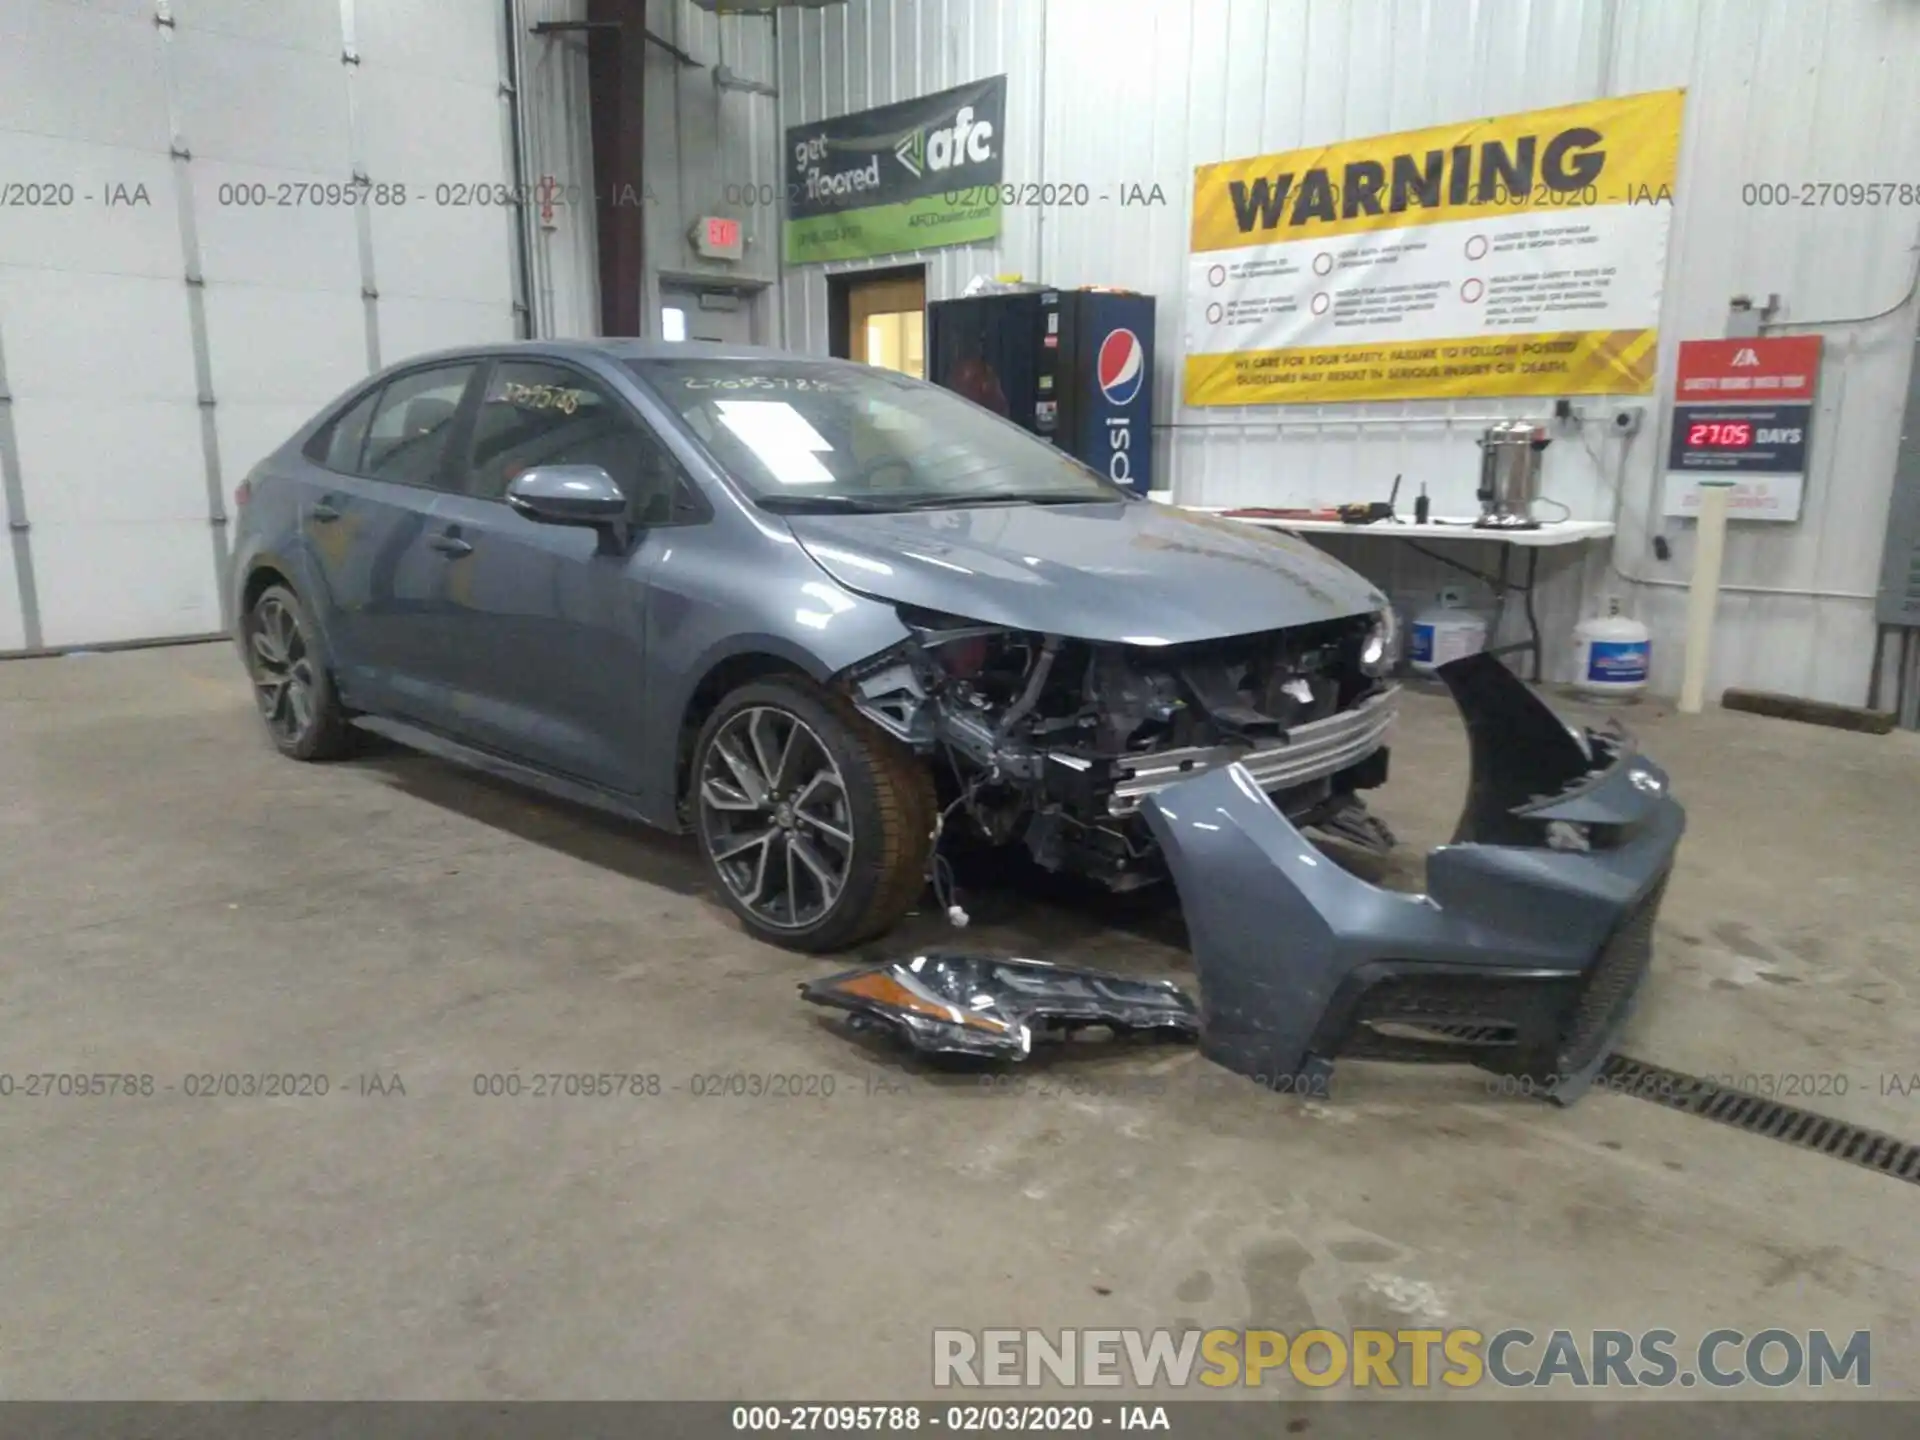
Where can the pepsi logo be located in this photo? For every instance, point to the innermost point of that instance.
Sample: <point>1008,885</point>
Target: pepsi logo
<point>1122,366</point>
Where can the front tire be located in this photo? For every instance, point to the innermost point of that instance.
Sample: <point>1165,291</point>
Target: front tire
<point>815,825</point>
<point>298,703</point>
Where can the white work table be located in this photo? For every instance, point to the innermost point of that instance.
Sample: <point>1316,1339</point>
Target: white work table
<point>1548,534</point>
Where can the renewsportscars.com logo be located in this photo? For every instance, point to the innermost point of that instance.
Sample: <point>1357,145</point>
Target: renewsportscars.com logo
<point>1456,1359</point>
<point>965,142</point>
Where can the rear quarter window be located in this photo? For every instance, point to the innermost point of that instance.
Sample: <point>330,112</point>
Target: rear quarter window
<point>338,445</point>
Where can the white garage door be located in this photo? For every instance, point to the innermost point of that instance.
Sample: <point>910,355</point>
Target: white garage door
<point>188,267</point>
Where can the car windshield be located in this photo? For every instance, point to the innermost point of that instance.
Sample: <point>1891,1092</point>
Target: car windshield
<point>807,435</point>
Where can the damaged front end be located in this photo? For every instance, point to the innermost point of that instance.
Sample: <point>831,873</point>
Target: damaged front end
<point>1523,957</point>
<point>1055,743</point>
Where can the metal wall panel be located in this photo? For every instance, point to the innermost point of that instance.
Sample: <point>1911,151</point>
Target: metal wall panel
<point>79,283</point>
<point>446,133</point>
<point>312,26</point>
<point>717,150</point>
<point>1115,93</point>
<point>874,52</point>
<point>447,39</point>
<point>714,147</point>
<point>155,350</point>
<point>1789,93</point>
<point>430,108</point>
<point>565,253</point>
<point>54,54</point>
<point>13,630</point>
<point>258,107</point>
<point>710,150</point>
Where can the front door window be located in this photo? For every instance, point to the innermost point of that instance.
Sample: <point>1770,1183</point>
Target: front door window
<point>542,414</point>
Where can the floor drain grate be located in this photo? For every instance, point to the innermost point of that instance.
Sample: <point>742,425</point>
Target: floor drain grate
<point>1758,1115</point>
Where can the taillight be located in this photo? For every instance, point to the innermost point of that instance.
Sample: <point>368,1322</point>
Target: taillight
<point>242,493</point>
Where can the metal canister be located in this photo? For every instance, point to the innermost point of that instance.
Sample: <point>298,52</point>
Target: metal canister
<point>1510,472</point>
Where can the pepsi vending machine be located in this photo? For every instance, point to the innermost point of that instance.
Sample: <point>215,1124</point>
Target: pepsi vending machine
<point>1073,366</point>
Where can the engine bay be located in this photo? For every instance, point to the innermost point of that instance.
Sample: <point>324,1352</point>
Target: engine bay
<point>1055,741</point>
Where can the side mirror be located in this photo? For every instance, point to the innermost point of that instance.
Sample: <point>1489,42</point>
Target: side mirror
<point>574,495</point>
<point>567,495</point>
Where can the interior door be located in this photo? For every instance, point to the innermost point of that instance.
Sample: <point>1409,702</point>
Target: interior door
<point>887,323</point>
<point>365,513</point>
<point>540,628</point>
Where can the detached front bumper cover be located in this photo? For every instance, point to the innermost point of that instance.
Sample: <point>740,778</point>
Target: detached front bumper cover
<point>951,1003</point>
<point>1523,957</point>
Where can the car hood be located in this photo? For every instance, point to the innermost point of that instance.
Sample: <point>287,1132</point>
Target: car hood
<point>1126,572</point>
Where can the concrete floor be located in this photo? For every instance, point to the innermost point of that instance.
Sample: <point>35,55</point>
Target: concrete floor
<point>178,900</point>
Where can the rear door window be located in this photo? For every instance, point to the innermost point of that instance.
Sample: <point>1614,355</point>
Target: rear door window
<point>407,437</point>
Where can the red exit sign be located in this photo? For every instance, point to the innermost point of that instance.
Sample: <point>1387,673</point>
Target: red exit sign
<point>717,238</point>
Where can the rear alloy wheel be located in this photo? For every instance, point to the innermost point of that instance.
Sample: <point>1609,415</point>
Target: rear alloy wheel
<point>813,823</point>
<point>294,691</point>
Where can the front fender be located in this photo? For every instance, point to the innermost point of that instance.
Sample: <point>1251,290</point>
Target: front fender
<point>709,607</point>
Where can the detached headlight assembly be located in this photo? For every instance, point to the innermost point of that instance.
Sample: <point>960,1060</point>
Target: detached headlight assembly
<point>1377,649</point>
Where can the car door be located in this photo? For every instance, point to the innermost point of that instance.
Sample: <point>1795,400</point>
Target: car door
<point>365,520</point>
<point>539,629</point>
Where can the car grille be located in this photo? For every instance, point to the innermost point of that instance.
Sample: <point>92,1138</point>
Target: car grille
<point>1310,752</point>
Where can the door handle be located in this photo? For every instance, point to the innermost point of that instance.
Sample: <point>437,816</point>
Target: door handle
<point>324,511</point>
<point>451,545</point>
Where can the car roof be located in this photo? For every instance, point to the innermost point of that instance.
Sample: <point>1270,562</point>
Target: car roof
<point>619,348</point>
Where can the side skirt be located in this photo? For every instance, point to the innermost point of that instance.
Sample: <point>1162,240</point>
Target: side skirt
<point>580,792</point>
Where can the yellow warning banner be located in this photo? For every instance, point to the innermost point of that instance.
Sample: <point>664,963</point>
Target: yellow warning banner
<point>1589,362</point>
<point>1621,151</point>
<point>1436,263</point>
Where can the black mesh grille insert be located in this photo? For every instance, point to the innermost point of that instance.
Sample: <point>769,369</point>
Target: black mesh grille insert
<point>1548,1027</point>
<point>1610,984</point>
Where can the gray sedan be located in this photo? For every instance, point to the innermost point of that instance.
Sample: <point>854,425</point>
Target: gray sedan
<point>828,618</point>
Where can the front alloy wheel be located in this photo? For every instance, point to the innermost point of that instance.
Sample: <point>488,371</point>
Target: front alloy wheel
<point>773,808</point>
<point>815,823</point>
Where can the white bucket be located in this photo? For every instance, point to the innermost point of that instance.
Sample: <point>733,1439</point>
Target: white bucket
<point>1444,633</point>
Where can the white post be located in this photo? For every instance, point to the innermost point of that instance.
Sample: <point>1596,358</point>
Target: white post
<point>1703,594</point>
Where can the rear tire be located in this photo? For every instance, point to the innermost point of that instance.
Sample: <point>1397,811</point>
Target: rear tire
<point>297,701</point>
<point>815,825</point>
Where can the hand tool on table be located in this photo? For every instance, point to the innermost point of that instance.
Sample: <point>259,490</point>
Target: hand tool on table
<point>1368,512</point>
<point>1278,512</point>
